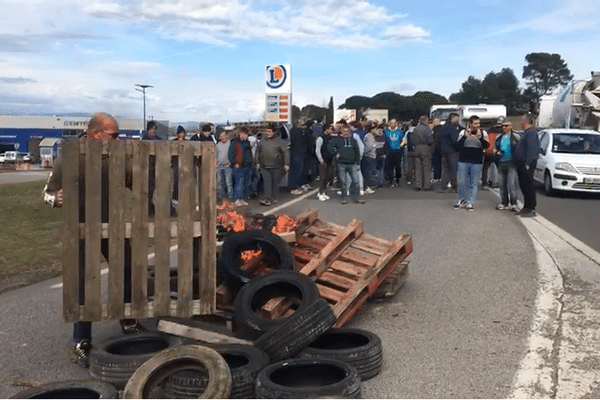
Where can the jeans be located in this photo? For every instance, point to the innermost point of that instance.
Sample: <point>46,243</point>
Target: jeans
<point>295,179</point>
<point>449,166</point>
<point>349,178</point>
<point>379,172</point>
<point>468,181</point>
<point>508,183</point>
<point>326,171</point>
<point>240,177</point>
<point>224,182</point>
<point>368,170</point>
<point>252,182</point>
<point>271,179</point>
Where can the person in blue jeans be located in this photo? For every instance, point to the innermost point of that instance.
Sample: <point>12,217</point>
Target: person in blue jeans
<point>505,148</point>
<point>224,174</point>
<point>471,142</point>
<point>240,158</point>
<point>348,157</point>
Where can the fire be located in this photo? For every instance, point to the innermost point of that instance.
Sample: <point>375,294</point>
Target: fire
<point>285,224</point>
<point>248,255</point>
<point>22,167</point>
<point>229,218</point>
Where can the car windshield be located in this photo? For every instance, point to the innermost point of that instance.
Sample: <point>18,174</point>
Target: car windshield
<point>577,143</point>
<point>443,113</point>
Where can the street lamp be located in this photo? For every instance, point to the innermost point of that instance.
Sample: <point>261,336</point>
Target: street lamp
<point>142,88</point>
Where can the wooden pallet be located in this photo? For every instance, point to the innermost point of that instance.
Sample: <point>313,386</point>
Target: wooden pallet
<point>347,265</point>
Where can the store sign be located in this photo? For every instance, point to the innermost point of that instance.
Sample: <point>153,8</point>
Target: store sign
<point>278,99</point>
<point>278,78</point>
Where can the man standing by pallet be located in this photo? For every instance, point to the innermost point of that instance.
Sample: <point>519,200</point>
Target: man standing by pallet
<point>102,126</point>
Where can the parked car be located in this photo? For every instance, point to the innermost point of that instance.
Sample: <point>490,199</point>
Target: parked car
<point>17,157</point>
<point>2,158</point>
<point>569,160</point>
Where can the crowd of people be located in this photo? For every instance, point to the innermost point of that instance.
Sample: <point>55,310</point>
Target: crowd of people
<point>350,160</point>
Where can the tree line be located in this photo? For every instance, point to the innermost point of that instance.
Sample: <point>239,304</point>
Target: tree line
<point>542,73</point>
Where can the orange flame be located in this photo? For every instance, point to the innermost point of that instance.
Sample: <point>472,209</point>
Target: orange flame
<point>285,224</point>
<point>22,167</point>
<point>229,218</point>
<point>248,255</point>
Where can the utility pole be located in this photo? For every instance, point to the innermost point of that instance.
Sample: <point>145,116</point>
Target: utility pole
<point>142,88</point>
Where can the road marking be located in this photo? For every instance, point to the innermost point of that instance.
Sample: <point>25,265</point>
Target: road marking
<point>105,270</point>
<point>291,202</point>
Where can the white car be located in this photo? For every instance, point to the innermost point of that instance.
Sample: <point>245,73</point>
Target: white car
<point>2,158</point>
<point>569,160</point>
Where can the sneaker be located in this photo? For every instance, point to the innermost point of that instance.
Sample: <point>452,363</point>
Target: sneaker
<point>513,207</point>
<point>470,207</point>
<point>325,196</point>
<point>130,327</point>
<point>501,207</point>
<point>244,202</point>
<point>460,204</point>
<point>265,202</point>
<point>358,201</point>
<point>306,187</point>
<point>393,184</point>
<point>527,213</point>
<point>368,190</point>
<point>344,201</point>
<point>297,192</point>
<point>362,192</point>
<point>321,197</point>
<point>81,353</point>
<point>238,203</point>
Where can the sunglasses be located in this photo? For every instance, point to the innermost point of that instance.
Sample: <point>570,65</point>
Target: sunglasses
<point>505,125</point>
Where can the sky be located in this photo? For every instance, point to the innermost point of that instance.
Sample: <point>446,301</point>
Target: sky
<point>206,59</point>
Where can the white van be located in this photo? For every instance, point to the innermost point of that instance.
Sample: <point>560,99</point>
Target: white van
<point>569,160</point>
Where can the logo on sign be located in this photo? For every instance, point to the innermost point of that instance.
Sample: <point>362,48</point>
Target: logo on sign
<point>276,76</point>
<point>272,110</point>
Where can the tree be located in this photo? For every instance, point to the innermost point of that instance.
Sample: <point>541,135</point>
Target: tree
<point>471,92</point>
<point>329,115</point>
<point>544,72</point>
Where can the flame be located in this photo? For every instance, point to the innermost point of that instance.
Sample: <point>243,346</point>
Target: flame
<point>229,218</point>
<point>285,223</point>
<point>22,167</point>
<point>248,255</point>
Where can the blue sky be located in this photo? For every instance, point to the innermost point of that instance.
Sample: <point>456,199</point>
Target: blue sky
<point>206,59</point>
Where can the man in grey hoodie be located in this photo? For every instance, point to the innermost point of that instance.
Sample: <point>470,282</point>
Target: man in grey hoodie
<point>273,161</point>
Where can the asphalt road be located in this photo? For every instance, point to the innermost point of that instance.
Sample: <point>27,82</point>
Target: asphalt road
<point>576,213</point>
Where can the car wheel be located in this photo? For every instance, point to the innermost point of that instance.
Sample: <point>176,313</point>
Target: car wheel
<point>248,323</point>
<point>116,359</point>
<point>277,252</point>
<point>150,375</point>
<point>86,389</point>
<point>360,348</point>
<point>306,378</point>
<point>291,336</point>
<point>245,362</point>
<point>548,189</point>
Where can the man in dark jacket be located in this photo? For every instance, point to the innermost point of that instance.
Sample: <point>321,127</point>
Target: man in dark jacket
<point>240,157</point>
<point>422,138</point>
<point>347,152</point>
<point>298,149</point>
<point>447,139</point>
<point>205,135</point>
<point>526,155</point>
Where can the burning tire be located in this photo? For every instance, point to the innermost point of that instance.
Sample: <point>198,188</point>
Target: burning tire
<point>245,362</point>
<point>289,337</point>
<point>149,376</point>
<point>70,390</point>
<point>359,348</point>
<point>305,378</point>
<point>116,359</point>
<point>276,251</point>
<point>247,320</point>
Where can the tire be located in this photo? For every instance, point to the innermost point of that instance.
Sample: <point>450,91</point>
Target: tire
<point>359,348</point>
<point>278,252</point>
<point>306,378</point>
<point>70,390</point>
<point>247,322</point>
<point>245,362</point>
<point>293,335</point>
<point>149,376</point>
<point>115,360</point>
<point>548,189</point>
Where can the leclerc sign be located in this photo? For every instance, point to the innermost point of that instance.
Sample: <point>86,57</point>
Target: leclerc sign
<point>279,78</point>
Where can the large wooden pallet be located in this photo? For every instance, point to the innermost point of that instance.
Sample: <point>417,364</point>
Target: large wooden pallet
<point>347,265</point>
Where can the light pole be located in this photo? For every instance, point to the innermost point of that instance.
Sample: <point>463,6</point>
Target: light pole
<point>142,88</point>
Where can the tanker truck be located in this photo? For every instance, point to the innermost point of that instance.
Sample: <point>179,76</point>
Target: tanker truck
<point>576,106</point>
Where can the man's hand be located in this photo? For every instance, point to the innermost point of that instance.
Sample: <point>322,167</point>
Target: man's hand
<point>286,168</point>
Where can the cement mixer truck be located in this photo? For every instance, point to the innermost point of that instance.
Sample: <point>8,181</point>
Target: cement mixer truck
<point>577,106</point>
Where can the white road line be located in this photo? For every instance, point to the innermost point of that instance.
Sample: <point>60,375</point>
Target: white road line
<point>105,270</point>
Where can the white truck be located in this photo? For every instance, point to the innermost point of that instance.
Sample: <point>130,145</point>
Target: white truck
<point>576,106</point>
<point>488,114</point>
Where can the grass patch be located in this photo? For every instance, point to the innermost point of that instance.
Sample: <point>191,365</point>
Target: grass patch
<point>30,242</point>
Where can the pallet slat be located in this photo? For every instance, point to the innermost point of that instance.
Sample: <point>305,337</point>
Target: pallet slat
<point>71,241</point>
<point>116,257</point>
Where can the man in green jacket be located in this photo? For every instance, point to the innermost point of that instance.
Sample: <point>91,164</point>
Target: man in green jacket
<point>347,152</point>
<point>273,162</point>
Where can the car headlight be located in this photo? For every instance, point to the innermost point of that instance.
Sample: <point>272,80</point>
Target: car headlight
<point>565,166</point>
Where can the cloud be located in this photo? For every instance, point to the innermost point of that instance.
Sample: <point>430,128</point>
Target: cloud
<point>17,81</point>
<point>330,23</point>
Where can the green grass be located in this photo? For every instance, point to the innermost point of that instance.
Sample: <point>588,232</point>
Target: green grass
<point>30,242</point>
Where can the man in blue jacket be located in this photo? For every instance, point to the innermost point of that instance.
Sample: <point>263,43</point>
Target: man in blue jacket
<point>526,156</point>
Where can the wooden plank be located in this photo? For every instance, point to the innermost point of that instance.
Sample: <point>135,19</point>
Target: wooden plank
<point>390,286</point>
<point>185,213</point>
<point>316,243</point>
<point>116,260</point>
<point>348,269</point>
<point>330,278</point>
<point>207,189</point>
<point>330,294</point>
<point>372,245</point>
<point>171,233</point>
<point>93,214</point>
<point>70,254</point>
<point>302,254</point>
<point>354,255</point>
<point>330,252</point>
<point>162,202</point>
<point>139,226</point>
<point>306,219</point>
<point>197,333</point>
